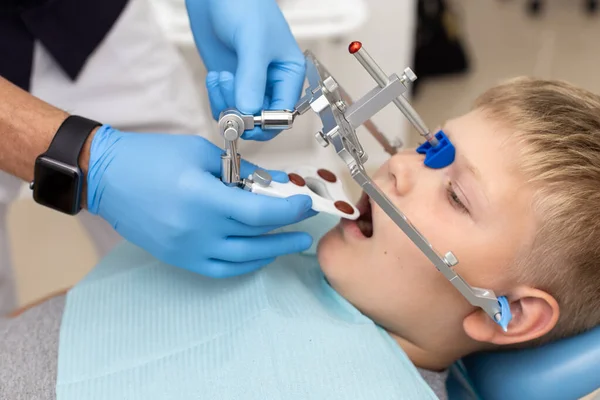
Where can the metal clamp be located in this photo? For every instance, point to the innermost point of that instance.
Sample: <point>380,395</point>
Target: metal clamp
<point>232,125</point>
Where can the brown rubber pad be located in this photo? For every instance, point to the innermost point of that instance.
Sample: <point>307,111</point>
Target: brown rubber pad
<point>297,179</point>
<point>327,175</point>
<point>344,207</point>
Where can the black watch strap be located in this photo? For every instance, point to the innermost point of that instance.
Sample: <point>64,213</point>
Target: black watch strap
<point>70,138</point>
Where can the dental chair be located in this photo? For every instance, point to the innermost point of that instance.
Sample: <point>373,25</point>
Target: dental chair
<point>565,370</point>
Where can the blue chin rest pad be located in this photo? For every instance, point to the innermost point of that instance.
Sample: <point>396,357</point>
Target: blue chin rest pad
<point>563,370</point>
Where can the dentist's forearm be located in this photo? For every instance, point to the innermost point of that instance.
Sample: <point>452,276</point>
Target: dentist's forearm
<point>27,126</point>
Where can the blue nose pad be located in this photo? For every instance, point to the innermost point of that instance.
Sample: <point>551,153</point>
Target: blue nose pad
<point>439,156</point>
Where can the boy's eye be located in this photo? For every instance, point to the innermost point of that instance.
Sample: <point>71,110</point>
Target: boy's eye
<point>454,200</point>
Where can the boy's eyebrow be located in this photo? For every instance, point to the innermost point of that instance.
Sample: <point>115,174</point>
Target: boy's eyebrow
<point>473,169</point>
<point>464,161</point>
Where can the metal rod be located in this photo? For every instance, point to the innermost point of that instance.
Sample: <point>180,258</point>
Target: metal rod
<point>232,150</point>
<point>365,59</point>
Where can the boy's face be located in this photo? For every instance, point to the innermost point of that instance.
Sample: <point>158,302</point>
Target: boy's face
<point>478,208</point>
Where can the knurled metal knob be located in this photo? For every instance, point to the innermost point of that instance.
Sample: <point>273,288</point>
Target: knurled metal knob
<point>330,84</point>
<point>261,177</point>
<point>450,259</point>
<point>231,131</point>
<point>410,75</point>
<point>321,139</point>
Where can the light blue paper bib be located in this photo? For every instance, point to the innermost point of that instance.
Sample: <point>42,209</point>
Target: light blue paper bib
<point>135,328</point>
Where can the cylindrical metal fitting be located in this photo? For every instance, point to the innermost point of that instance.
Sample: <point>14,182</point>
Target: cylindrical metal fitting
<point>275,120</point>
<point>230,165</point>
<point>228,176</point>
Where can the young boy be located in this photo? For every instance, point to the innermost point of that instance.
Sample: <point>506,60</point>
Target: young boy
<point>520,208</point>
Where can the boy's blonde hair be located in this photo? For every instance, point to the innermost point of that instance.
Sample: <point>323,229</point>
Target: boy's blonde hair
<point>557,130</point>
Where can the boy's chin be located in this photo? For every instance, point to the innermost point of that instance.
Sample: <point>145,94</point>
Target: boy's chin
<point>330,248</point>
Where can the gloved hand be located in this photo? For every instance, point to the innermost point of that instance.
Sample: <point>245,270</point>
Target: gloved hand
<point>252,40</point>
<point>161,192</point>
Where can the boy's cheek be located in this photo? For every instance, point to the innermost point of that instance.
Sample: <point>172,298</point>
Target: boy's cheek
<point>403,265</point>
<point>385,281</point>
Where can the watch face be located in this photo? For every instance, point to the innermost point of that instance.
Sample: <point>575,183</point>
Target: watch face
<point>57,185</point>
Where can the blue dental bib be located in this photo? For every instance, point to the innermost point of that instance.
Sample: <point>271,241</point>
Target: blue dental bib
<point>136,328</point>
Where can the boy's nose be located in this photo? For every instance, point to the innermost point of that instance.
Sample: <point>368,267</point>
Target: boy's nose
<point>403,167</point>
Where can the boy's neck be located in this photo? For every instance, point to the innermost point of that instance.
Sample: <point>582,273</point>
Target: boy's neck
<point>427,359</point>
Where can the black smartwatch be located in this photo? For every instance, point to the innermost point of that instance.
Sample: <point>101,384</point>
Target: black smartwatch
<point>57,179</point>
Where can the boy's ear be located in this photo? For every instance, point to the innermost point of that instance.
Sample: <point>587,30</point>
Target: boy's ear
<point>534,313</point>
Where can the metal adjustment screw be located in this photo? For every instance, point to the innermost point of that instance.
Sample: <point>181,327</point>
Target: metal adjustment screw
<point>330,84</point>
<point>261,177</point>
<point>497,317</point>
<point>321,139</point>
<point>341,106</point>
<point>231,131</point>
<point>450,259</point>
<point>409,75</point>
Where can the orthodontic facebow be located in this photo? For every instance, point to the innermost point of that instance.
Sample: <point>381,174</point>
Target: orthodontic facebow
<point>340,118</point>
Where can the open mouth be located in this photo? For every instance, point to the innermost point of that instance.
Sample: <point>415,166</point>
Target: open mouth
<point>365,220</point>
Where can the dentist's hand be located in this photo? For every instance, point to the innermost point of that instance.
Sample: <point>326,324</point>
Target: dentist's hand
<point>252,40</point>
<point>162,193</point>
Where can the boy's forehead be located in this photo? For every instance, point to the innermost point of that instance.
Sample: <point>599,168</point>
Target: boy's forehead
<point>478,137</point>
<point>485,150</point>
<point>472,122</point>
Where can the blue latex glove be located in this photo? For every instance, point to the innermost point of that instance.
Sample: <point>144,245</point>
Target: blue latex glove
<point>252,40</point>
<point>162,193</point>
